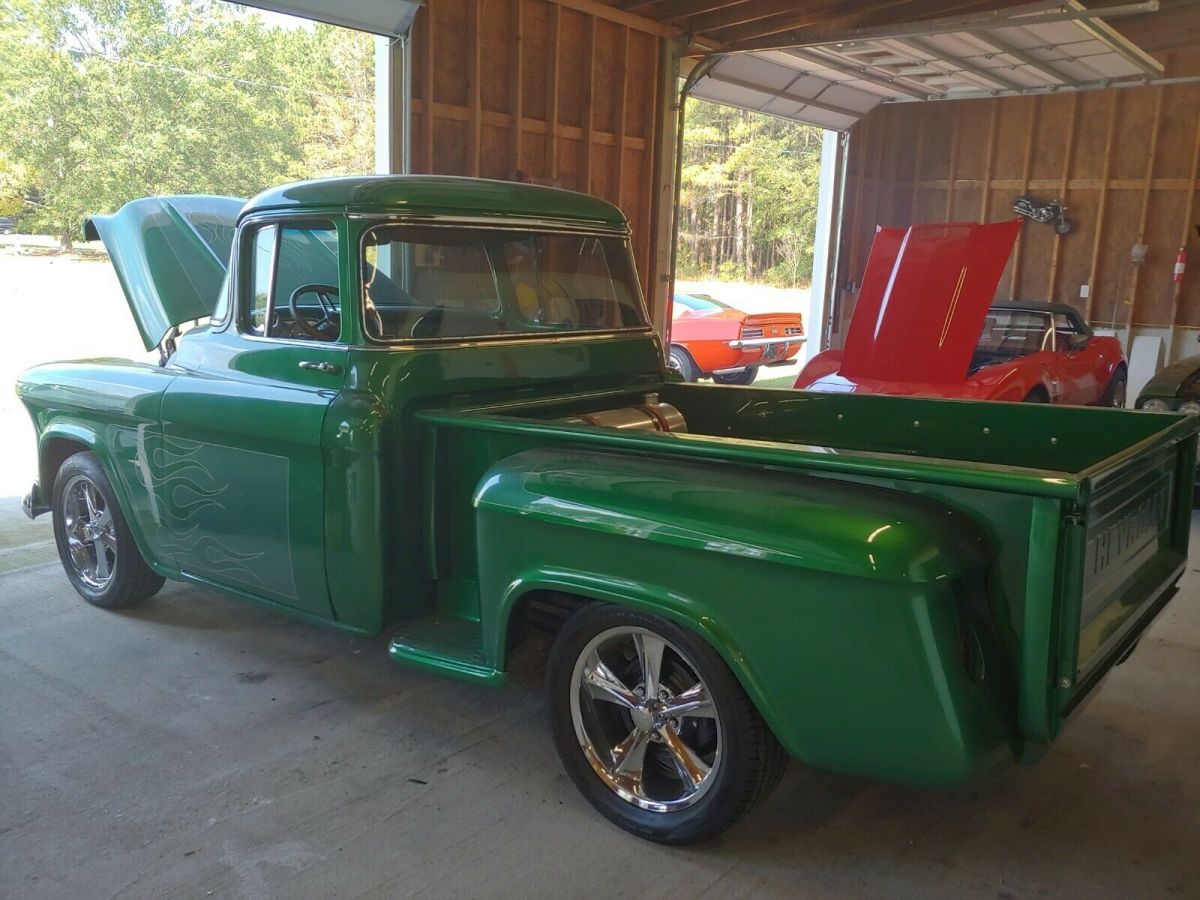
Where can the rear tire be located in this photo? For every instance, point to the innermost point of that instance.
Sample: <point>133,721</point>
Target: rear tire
<point>744,377</point>
<point>674,778</point>
<point>1037,395</point>
<point>95,544</point>
<point>1115,393</point>
<point>682,362</point>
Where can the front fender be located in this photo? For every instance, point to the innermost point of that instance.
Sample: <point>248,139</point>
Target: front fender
<point>123,454</point>
<point>838,606</point>
<point>113,407</point>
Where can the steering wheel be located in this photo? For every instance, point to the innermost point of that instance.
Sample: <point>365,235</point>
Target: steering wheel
<point>327,328</point>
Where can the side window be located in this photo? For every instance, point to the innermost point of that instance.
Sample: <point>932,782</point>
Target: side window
<point>262,265</point>
<point>292,283</point>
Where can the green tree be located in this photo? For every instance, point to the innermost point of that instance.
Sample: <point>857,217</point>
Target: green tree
<point>108,100</point>
<point>748,195</point>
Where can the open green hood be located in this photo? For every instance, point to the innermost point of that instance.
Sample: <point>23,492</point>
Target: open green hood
<point>171,255</point>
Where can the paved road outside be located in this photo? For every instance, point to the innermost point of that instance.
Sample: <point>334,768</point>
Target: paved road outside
<point>52,307</point>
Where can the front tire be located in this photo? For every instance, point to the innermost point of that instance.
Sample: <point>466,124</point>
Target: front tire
<point>744,377</point>
<point>94,542</point>
<point>654,729</point>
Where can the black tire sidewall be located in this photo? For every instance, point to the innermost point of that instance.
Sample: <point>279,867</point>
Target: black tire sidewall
<point>744,378</point>
<point>1119,377</point>
<point>740,769</point>
<point>683,361</point>
<point>120,589</point>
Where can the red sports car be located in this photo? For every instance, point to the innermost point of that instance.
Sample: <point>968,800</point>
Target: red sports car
<point>710,339</point>
<point>925,326</point>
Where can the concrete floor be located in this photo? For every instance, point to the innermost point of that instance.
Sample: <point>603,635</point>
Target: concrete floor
<point>201,747</point>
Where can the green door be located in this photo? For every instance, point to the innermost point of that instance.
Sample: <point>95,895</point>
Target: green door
<point>240,476</point>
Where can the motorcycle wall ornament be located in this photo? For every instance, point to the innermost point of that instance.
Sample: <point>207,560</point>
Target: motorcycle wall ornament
<point>1044,213</point>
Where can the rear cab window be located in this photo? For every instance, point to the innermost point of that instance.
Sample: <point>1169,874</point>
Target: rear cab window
<point>426,283</point>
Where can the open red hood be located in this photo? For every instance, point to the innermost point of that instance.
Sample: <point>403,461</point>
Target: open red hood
<point>924,296</point>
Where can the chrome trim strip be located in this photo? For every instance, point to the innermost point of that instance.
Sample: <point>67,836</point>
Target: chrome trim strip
<point>443,221</point>
<point>453,343</point>
<point>766,342</point>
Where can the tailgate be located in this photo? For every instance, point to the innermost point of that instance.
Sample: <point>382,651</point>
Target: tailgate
<point>1128,549</point>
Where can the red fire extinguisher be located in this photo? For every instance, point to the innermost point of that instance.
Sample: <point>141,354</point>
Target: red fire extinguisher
<point>1180,265</point>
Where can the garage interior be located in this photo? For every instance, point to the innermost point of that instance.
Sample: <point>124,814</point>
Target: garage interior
<point>203,747</point>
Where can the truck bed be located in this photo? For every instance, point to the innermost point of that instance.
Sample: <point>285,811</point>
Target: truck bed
<point>1085,511</point>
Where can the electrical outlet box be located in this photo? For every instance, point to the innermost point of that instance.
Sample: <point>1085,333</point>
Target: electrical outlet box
<point>1085,291</point>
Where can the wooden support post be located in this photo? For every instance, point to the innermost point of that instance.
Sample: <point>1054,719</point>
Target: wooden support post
<point>517,99</point>
<point>860,144</point>
<point>427,92</point>
<point>658,179</point>
<point>1184,234</point>
<point>1141,238</point>
<point>619,136</point>
<point>474,88</point>
<point>589,96</point>
<point>1068,152</point>
<point>949,213</point>
<point>1026,171</point>
<point>985,189</point>
<point>552,94</point>
<point>1103,205</point>
<point>918,161</point>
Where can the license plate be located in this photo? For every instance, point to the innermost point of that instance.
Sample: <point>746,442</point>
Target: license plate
<point>771,351</point>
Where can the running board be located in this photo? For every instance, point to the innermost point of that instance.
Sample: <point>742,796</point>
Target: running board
<point>447,646</point>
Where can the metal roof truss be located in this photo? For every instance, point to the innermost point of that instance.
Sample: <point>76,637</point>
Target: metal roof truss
<point>1047,48</point>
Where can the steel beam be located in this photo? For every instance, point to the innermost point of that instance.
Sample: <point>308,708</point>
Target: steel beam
<point>959,63</point>
<point>1006,18</point>
<point>784,95</point>
<point>1025,58</point>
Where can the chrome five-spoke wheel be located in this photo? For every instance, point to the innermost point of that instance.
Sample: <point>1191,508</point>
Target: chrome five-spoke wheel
<point>90,532</point>
<point>645,719</point>
<point>97,549</point>
<point>653,726</point>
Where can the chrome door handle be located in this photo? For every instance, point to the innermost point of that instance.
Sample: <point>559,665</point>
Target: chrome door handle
<point>323,367</point>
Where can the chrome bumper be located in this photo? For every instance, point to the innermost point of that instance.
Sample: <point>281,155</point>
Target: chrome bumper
<point>768,342</point>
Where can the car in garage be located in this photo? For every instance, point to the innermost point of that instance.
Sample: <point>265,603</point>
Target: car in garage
<point>1031,352</point>
<point>925,325</point>
<point>1175,388</point>
<point>437,407</point>
<point>711,339</point>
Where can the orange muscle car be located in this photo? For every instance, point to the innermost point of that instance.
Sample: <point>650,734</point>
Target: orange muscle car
<point>710,339</point>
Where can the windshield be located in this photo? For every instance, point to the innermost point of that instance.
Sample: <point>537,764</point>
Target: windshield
<point>423,282</point>
<point>1009,333</point>
<point>699,302</point>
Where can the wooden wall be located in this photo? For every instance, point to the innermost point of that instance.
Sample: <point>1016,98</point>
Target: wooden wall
<point>529,90</point>
<point>1125,162</point>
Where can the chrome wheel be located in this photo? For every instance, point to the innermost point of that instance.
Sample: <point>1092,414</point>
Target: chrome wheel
<point>645,719</point>
<point>90,532</point>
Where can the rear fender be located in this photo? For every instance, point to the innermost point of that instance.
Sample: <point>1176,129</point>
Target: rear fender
<point>642,595</point>
<point>822,596</point>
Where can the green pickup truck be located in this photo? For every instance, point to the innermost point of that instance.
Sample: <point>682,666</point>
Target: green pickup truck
<point>436,406</point>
